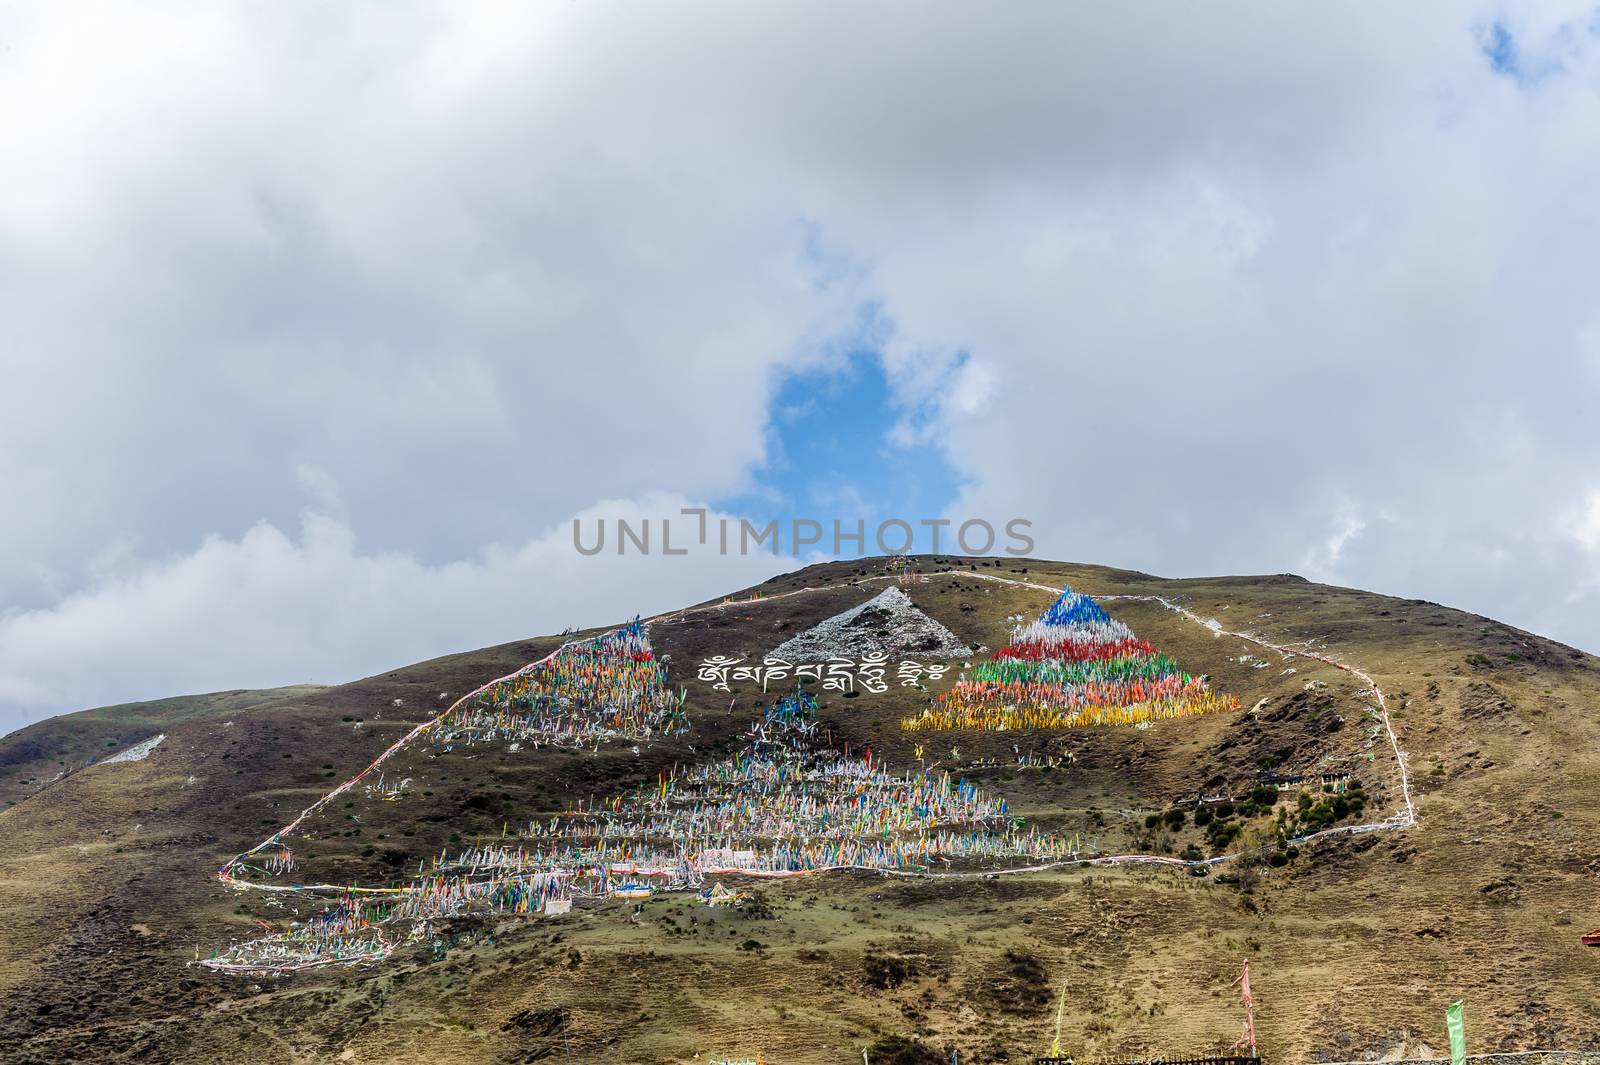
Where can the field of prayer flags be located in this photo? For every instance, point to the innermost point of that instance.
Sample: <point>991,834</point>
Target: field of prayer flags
<point>1074,666</point>
<point>787,804</point>
<point>346,932</point>
<point>610,687</point>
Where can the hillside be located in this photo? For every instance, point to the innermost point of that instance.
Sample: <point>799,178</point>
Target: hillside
<point>1356,939</point>
<point>42,753</point>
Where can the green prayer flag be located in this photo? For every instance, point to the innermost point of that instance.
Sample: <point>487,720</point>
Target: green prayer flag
<point>1458,1033</point>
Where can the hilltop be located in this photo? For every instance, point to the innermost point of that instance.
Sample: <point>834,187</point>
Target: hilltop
<point>1476,877</point>
<point>43,753</point>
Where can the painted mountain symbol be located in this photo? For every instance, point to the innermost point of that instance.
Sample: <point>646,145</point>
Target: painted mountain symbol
<point>889,623</point>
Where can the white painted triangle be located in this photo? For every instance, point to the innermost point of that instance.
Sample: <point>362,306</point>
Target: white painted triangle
<point>890,623</point>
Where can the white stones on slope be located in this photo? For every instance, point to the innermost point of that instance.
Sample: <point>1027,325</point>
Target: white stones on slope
<point>889,623</point>
<point>138,752</point>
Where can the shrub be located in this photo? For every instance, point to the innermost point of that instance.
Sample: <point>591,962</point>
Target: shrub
<point>886,973</point>
<point>1318,817</point>
<point>1264,795</point>
<point>1223,834</point>
<point>1174,818</point>
<point>1202,817</point>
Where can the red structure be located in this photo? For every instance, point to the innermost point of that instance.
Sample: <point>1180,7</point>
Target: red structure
<point>1592,939</point>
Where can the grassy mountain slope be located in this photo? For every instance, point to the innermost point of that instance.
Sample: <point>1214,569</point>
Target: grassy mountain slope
<point>1355,945</point>
<point>33,757</point>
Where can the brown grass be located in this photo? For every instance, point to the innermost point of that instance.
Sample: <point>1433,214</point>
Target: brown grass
<point>1357,945</point>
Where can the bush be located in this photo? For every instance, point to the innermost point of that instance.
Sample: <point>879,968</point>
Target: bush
<point>1223,834</point>
<point>1152,821</point>
<point>1174,819</point>
<point>1202,817</point>
<point>1264,795</point>
<point>1278,859</point>
<point>886,973</point>
<point>1318,817</point>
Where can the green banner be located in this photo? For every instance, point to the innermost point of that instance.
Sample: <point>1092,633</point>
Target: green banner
<point>1458,1033</point>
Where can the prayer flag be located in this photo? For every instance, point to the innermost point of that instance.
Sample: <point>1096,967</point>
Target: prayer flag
<point>1458,1033</point>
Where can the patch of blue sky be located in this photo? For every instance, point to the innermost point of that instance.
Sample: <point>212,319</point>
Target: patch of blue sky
<point>831,455</point>
<point>1529,63</point>
<point>1499,48</point>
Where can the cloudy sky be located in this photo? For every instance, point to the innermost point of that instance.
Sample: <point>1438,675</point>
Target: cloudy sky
<point>318,332</point>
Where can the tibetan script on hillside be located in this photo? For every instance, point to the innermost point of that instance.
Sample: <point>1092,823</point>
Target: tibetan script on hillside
<point>870,673</point>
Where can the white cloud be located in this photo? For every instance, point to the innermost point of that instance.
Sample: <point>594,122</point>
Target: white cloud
<point>427,255</point>
<point>1322,562</point>
<point>271,608</point>
<point>1586,527</point>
